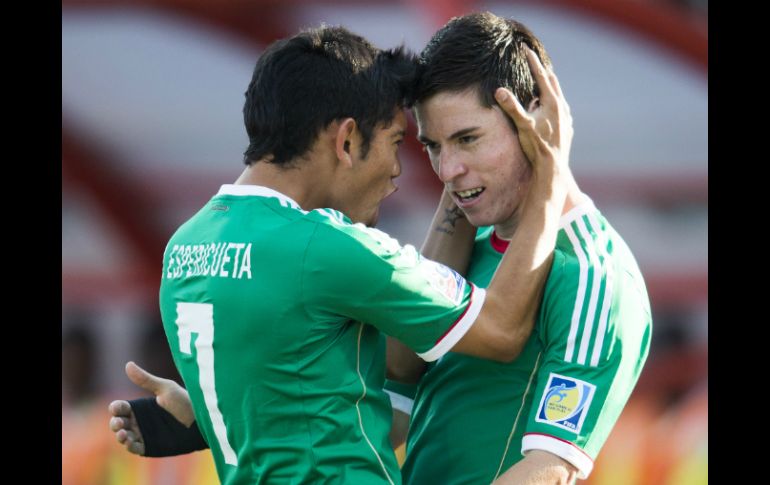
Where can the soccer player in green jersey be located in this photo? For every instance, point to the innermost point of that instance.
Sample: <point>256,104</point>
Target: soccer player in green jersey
<point>274,295</point>
<point>542,418</point>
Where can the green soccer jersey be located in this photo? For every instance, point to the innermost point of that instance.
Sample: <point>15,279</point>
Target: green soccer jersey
<point>262,304</point>
<point>474,418</point>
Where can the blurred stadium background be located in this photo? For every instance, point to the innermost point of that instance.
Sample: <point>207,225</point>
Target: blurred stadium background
<point>152,92</point>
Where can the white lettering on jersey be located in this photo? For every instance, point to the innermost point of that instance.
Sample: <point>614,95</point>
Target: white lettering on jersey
<point>225,259</point>
<point>171,262</point>
<point>238,248</point>
<point>245,263</point>
<point>212,259</point>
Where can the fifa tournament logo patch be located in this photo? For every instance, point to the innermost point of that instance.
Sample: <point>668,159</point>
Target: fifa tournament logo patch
<point>446,281</point>
<point>565,402</point>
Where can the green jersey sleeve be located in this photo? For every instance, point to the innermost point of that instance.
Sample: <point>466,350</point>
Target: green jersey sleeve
<point>596,329</point>
<point>354,272</point>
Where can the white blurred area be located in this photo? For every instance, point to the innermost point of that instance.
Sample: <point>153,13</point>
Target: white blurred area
<point>152,94</point>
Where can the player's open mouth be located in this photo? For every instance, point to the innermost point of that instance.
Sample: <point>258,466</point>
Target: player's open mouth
<point>465,196</point>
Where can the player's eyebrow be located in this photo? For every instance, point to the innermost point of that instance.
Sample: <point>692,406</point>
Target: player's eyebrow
<point>463,132</point>
<point>457,134</point>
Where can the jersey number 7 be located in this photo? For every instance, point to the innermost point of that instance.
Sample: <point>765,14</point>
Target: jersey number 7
<point>199,318</point>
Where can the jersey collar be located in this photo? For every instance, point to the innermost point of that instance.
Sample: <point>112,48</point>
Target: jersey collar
<point>257,190</point>
<point>585,207</point>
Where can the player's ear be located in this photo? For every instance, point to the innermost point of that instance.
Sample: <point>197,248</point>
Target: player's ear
<point>344,141</point>
<point>533,105</point>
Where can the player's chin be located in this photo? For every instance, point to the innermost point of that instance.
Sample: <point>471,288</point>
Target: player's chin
<point>373,218</point>
<point>484,221</point>
<point>477,218</point>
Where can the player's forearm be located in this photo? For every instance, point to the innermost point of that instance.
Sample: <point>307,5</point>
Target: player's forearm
<point>515,292</point>
<point>450,236</point>
<point>449,241</point>
<point>399,428</point>
<point>403,365</point>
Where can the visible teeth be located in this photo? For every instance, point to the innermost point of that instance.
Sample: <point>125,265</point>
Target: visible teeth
<point>470,193</point>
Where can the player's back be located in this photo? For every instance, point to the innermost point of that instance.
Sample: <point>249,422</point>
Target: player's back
<point>275,389</point>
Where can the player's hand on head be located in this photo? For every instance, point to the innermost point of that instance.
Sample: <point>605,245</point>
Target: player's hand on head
<point>170,396</point>
<point>545,133</point>
<point>123,424</point>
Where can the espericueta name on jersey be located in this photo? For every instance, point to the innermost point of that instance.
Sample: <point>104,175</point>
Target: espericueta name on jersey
<point>224,259</point>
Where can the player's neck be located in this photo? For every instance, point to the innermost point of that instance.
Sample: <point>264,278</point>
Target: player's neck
<point>506,229</point>
<point>303,182</point>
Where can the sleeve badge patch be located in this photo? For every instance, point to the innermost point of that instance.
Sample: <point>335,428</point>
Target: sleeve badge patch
<point>445,281</point>
<point>565,402</point>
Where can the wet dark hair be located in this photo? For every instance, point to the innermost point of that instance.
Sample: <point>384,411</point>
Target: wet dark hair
<point>303,83</point>
<point>479,50</point>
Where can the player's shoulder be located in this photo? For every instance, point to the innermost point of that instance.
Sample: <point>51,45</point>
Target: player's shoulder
<point>582,244</point>
<point>336,228</point>
<point>565,263</point>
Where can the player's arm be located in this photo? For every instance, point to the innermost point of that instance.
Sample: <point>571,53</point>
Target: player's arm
<point>539,468</point>
<point>450,236</point>
<point>399,428</point>
<point>401,400</point>
<point>507,316</point>
<point>403,364</point>
<point>582,385</point>
<point>159,426</point>
<point>449,241</point>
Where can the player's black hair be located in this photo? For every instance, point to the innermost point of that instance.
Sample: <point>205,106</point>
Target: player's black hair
<point>303,83</point>
<point>479,50</point>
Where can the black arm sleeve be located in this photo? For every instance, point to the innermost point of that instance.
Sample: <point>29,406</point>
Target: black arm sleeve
<point>163,435</point>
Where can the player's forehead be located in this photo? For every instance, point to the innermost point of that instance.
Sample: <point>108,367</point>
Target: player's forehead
<point>448,112</point>
<point>396,127</point>
<point>399,121</point>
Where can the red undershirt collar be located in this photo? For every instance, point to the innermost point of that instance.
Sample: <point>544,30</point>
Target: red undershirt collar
<point>499,245</point>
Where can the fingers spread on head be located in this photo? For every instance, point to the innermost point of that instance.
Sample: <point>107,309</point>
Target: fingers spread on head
<point>562,102</point>
<point>540,75</point>
<point>511,106</point>
<point>555,83</point>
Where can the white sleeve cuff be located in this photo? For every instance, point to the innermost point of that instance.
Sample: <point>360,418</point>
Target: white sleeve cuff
<point>459,328</point>
<point>399,402</point>
<point>561,448</point>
